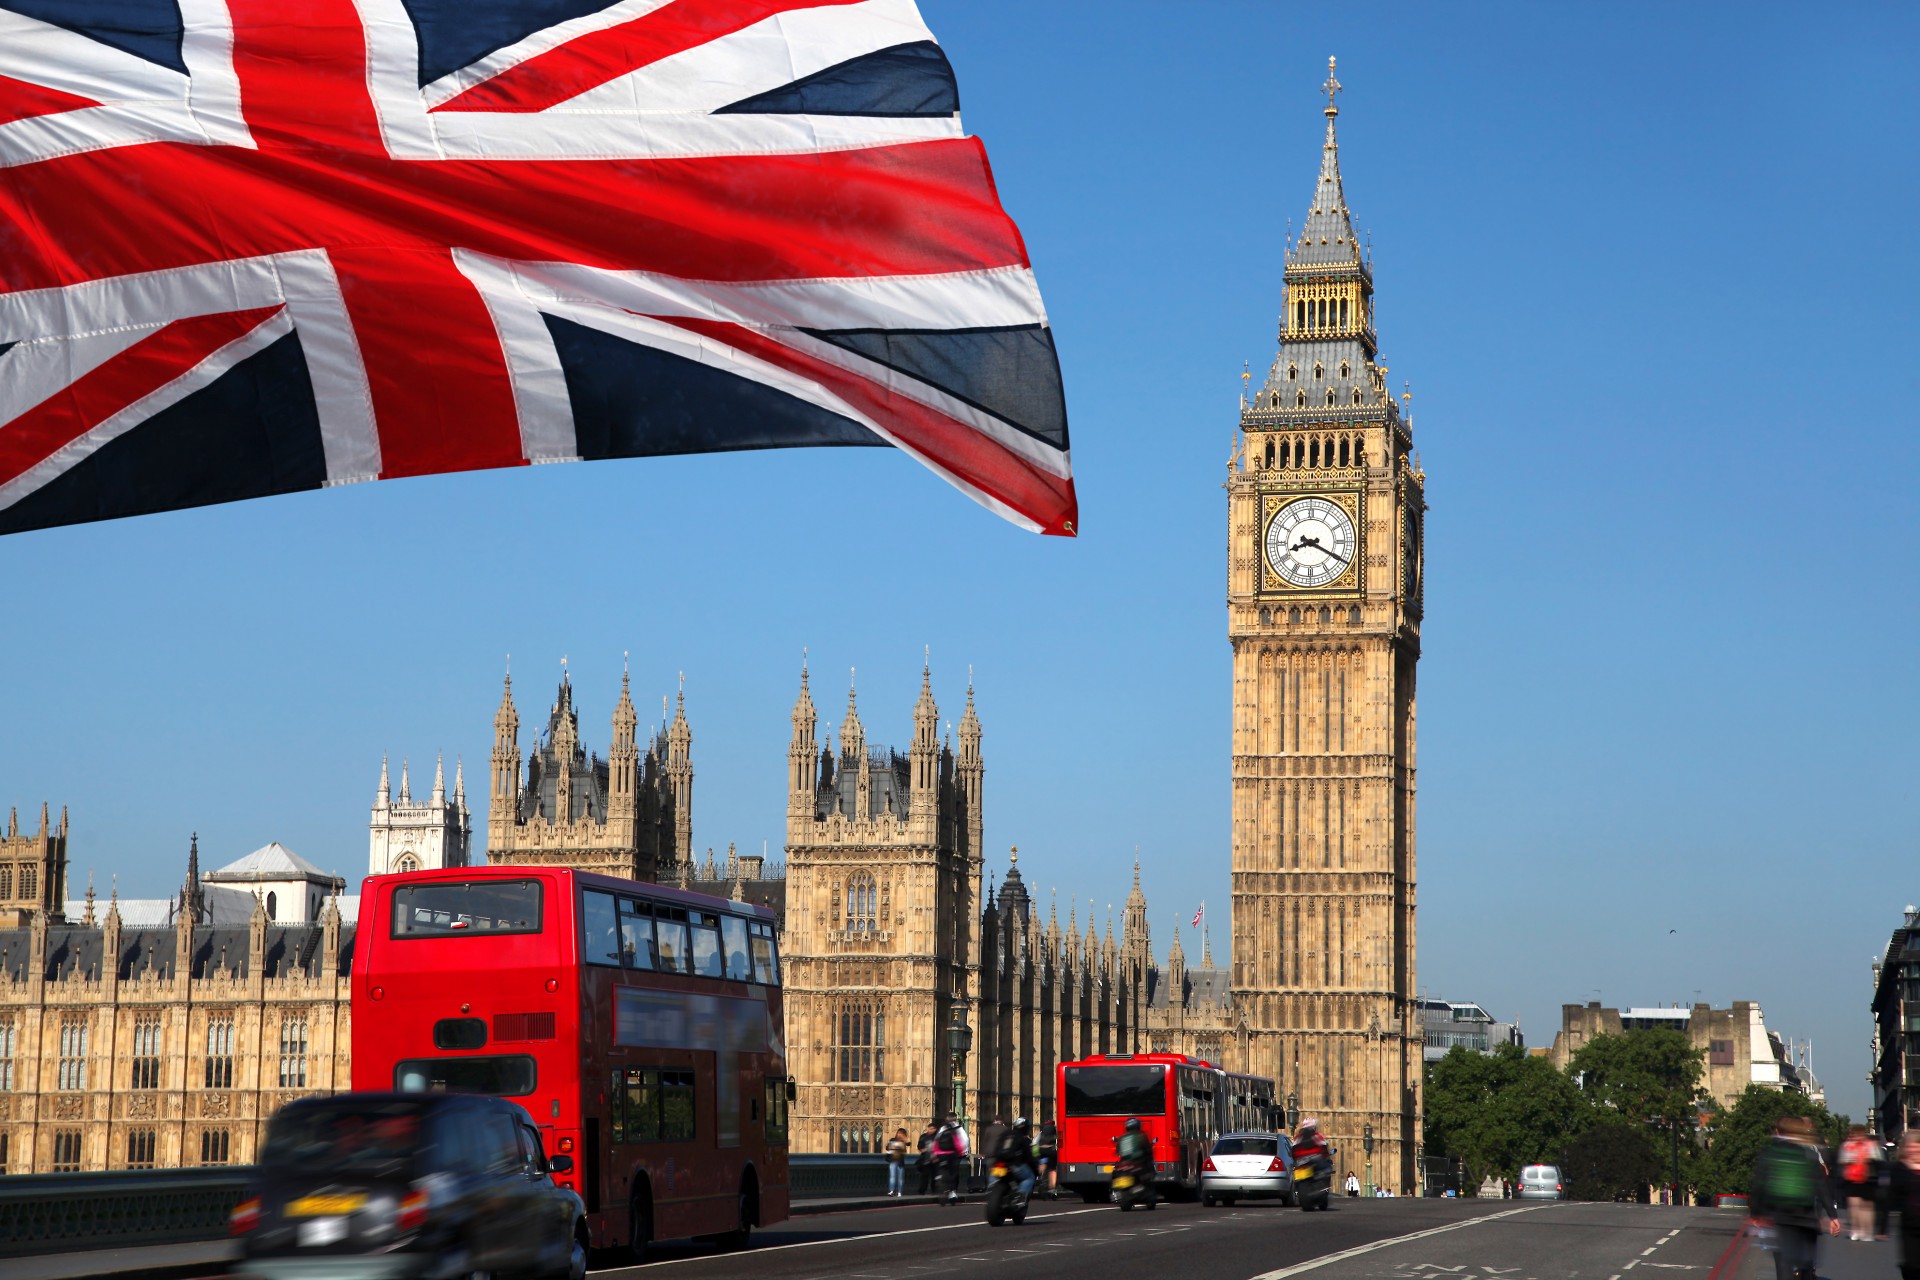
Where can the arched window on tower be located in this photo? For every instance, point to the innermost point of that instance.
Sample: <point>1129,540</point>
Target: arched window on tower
<point>1344,373</point>
<point>1343,451</point>
<point>1329,395</point>
<point>1293,373</point>
<point>1319,371</point>
<point>1343,321</point>
<point>1269,454</point>
<point>1293,614</point>
<point>861,902</point>
<point>1326,616</point>
<point>1266,615</point>
<point>273,905</point>
<point>860,1041</point>
<point>407,863</point>
<point>1314,456</point>
<point>1356,395</point>
<point>1299,399</point>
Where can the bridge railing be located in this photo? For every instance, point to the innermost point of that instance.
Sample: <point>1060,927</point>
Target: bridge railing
<point>79,1212</point>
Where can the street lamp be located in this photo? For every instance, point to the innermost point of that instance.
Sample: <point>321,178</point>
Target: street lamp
<point>1293,1111</point>
<point>959,1044</point>
<point>1366,1144</point>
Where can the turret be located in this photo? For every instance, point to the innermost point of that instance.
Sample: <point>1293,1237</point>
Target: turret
<point>406,788</point>
<point>925,794</point>
<point>439,780</point>
<point>802,769</point>
<point>504,787</point>
<point>623,757</point>
<point>383,794</point>
<point>565,728</point>
<point>680,774</point>
<point>1176,969</point>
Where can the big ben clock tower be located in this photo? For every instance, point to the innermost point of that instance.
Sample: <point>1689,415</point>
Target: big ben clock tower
<point>1325,506</point>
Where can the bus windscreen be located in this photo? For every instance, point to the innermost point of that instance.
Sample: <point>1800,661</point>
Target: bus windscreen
<point>452,908</point>
<point>509,1076</point>
<point>1116,1091</point>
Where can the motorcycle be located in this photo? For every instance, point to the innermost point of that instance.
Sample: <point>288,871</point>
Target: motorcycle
<point>1004,1197</point>
<point>1132,1185</point>
<point>1313,1180</point>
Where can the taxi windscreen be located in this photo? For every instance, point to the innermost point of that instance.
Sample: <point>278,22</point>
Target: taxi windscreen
<point>368,1138</point>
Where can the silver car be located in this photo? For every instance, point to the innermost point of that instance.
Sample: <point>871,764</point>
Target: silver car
<point>1542,1182</point>
<point>1251,1165</point>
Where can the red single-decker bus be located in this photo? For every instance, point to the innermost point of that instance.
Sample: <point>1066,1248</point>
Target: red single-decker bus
<point>1182,1104</point>
<point>639,1025</point>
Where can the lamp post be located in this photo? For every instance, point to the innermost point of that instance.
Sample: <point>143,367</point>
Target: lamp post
<point>959,1044</point>
<point>1366,1145</point>
<point>1293,1111</point>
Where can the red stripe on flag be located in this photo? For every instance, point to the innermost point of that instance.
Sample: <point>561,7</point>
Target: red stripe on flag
<point>20,99</point>
<point>912,209</point>
<point>961,450</point>
<point>441,395</point>
<point>140,370</point>
<point>302,66</point>
<point>550,78</point>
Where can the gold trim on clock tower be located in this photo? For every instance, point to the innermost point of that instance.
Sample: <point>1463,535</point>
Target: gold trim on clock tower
<point>1325,505</point>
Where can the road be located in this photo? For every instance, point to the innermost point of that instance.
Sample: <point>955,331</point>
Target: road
<point>1402,1239</point>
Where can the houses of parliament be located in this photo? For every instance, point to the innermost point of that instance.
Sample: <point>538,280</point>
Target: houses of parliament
<point>157,1033</point>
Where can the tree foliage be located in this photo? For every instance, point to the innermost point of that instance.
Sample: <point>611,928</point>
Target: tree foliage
<point>1737,1136</point>
<point>1643,1077</point>
<point>1500,1111</point>
<point>1613,1160</point>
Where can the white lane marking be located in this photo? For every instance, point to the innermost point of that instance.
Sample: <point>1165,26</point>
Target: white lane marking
<point>1645,1252</point>
<point>1300,1268</point>
<point>1678,1266</point>
<point>809,1244</point>
<point>1631,1265</point>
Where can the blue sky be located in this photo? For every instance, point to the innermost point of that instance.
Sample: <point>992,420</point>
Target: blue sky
<point>1651,273</point>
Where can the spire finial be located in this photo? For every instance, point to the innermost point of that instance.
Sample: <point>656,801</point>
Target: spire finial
<point>1331,86</point>
<point>683,689</point>
<point>803,666</point>
<point>1013,854</point>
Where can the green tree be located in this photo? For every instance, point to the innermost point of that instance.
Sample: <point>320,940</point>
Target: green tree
<point>1613,1160</point>
<point>1737,1136</point>
<point>1644,1077</point>
<point>1499,1111</point>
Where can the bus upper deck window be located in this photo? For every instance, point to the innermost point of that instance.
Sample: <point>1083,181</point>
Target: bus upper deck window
<point>733,936</point>
<point>636,934</point>
<point>707,961</point>
<point>456,908</point>
<point>600,940</point>
<point>673,940</point>
<point>765,966</point>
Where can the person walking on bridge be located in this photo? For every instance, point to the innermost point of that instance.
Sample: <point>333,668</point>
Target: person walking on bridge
<point>1793,1191</point>
<point>1904,1198</point>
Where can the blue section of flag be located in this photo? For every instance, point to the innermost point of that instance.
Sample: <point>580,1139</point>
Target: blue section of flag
<point>150,29</point>
<point>633,401</point>
<point>249,433</point>
<point>906,80</point>
<point>454,33</point>
<point>1011,373</point>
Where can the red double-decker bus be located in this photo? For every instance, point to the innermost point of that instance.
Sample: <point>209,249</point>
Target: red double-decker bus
<point>639,1025</point>
<point>1182,1104</point>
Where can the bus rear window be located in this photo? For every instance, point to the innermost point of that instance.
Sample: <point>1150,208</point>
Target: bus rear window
<point>508,1076</point>
<point>1116,1091</point>
<point>450,908</point>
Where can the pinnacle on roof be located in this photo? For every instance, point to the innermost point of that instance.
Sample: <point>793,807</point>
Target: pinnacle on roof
<point>1135,897</point>
<point>1327,239</point>
<point>803,705</point>
<point>440,778</point>
<point>382,796</point>
<point>406,791</point>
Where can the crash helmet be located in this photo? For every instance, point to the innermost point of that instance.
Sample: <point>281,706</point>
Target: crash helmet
<point>1309,1125</point>
<point>1021,1124</point>
<point>1133,1124</point>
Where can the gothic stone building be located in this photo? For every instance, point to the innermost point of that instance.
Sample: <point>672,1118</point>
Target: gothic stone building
<point>153,1046</point>
<point>887,929</point>
<point>627,815</point>
<point>1325,507</point>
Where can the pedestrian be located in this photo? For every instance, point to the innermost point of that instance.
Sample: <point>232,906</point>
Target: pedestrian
<point>897,1148</point>
<point>925,1162</point>
<point>1904,1196</point>
<point>949,1150</point>
<point>1858,1176</point>
<point>1353,1186</point>
<point>1793,1192</point>
<point>992,1134</point>
<point>1046,1148</point>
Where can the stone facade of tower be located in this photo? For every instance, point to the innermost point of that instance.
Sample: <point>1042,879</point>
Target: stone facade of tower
<point>629,815</point>
<point>407,835</point>
<point>887,926</point>
<point>168,1038</point>
<point>33,870</point>
<point>1324,608</point>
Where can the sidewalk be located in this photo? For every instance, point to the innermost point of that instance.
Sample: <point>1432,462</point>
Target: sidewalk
<point>846,1204</point>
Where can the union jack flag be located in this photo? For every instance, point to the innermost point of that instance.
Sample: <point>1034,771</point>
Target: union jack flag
<point>250,247</point>
<point>1202,911</point>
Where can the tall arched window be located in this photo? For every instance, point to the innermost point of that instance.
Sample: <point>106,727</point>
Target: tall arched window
<point>273,904</point>
<point>862,900</point>
<point>407,863</point>
<point>1329,395</point>
<point>860,1032</point>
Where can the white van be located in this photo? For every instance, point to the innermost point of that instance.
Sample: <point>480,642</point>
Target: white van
<point>1542,1182</point>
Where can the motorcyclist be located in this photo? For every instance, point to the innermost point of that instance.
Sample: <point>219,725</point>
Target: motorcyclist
<point>1016,1151</point>
<point>1308,1141</point>
<point>1133,1152</point>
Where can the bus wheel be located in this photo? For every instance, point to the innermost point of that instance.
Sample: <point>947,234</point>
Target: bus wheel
<point>749,1210</point>
<point>640,1226</point>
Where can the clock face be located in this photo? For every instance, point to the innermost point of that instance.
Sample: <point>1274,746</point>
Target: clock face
<point>1311,542</point>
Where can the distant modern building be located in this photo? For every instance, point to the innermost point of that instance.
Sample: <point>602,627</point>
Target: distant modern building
<point>1736,1045</point>
<point>1447,1026</point>
<point>1896,1030</point>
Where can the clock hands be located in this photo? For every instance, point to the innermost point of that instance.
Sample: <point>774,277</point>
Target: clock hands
<point>1306,541</point>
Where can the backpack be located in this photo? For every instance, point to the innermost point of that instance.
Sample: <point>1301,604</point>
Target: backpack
<point>946,1142</point>
<point>1787,1180</point>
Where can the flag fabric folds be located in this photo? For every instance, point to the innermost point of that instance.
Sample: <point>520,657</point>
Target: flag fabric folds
<point>250,247</point>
